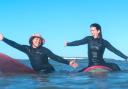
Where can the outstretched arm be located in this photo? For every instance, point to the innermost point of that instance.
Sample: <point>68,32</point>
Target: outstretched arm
<point>77,42</point>
<point>114,50</point>
<point>60,59</point>
<point>12,43</point>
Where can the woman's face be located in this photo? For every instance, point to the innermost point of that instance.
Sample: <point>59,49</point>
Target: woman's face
<point>95,32</point>
<point>36,42</point>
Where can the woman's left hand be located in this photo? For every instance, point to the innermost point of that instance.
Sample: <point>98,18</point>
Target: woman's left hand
<point>73,63</point>
<point>126,60</point>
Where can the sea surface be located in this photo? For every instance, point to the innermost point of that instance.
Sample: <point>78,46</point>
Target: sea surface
<point>66,77</point>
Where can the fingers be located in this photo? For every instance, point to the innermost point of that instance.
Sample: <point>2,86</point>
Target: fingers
<point>65,43</point>
<point>73,63</point>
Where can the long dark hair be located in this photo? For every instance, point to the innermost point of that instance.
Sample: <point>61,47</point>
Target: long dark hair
<point>98,28</point>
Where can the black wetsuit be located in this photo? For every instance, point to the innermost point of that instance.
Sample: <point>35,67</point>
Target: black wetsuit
<point>38,56</point>
<point>96,48</point>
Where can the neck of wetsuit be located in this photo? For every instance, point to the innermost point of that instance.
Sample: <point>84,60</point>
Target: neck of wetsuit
<point>36,47</point>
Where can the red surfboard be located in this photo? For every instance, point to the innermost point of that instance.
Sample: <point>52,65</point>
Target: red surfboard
<point>98,68</point>
<point>9,65</point>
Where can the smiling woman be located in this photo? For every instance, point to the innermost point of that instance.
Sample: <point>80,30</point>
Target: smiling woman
<point>38,54</point>
<point>96,48</point>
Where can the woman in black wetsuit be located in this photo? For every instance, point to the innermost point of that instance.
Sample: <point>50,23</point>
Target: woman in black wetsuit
<point>96,48</point>
<point>38,54</point>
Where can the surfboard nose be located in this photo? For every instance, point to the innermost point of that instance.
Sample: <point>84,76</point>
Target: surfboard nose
<point>11,65</point>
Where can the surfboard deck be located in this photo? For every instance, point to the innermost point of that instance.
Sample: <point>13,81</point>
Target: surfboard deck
<point>98,68</point>
<point>10,65</point>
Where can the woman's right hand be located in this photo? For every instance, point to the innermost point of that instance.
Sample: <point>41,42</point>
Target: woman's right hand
<point>1,37</point>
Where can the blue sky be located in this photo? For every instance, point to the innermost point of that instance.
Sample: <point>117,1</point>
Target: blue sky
<point>63,20</point>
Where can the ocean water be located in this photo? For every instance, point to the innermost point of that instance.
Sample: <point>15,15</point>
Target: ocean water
<point>66,77</point>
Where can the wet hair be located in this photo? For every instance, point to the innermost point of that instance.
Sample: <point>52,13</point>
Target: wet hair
<point>32,37</point>
<point>98,28</point>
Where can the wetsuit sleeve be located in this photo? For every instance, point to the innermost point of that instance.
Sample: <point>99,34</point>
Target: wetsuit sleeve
<point>15,45</point>
<point>114,50</point>
<point>56,57</point>
<point>79,42</point>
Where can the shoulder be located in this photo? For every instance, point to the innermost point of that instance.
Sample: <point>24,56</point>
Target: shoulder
<point>45,49</point>
<point>105,42</point>
<point>25,46</point>
<point>87,38</point>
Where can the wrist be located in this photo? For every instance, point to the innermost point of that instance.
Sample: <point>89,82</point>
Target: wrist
<point>126,59</point>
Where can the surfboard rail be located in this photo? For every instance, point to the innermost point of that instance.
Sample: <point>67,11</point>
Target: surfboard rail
<point>97,68</point>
